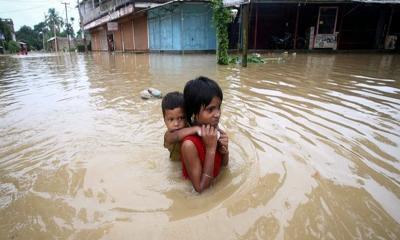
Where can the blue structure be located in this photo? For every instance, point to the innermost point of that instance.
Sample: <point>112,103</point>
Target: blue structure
<point>181,26</point>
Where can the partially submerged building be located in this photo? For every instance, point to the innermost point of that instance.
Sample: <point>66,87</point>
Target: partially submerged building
<point>126,25</point>
<point>318,24</point>
<point>116,25</point>
<point>62,44</point>
<point>9,22</point>
<point>181,26</point>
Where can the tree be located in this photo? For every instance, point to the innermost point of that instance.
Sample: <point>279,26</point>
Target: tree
<point>54,21</point>
<point>12,46</point>
<point>41,27</point>
<point>28,35</point>
<point>79,34</point>
<point>70,28</point>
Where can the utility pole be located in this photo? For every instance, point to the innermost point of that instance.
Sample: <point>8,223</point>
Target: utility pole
<point>81,25</point>
<point>245,31</point>
<point>42,32</point>
<point>66,17</point>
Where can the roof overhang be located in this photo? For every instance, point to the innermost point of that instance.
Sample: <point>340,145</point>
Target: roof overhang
<point>379,1</point>
<point>122,12</point>
<point>320,1</point>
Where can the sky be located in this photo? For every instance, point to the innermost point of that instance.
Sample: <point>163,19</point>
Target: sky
<point>31,12</point>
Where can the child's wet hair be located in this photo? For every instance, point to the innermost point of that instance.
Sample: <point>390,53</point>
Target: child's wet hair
<point>199,92</point>
<point>171,101</point>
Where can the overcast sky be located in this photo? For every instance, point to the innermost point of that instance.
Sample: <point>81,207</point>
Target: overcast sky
<point>31,12</point>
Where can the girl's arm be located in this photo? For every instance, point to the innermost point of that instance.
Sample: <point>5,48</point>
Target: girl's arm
<point>200,176</point>
<point>178,135</point>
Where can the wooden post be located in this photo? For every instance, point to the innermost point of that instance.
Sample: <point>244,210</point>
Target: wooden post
<point>245,26</point>
<point>296,28</point>
<point>390,23</point>
<point>55,37</point>
<point>340,26</point>
<point>66,19</point>
<point>81,25</point>
<point>133,35</point>
<point>255,28</point>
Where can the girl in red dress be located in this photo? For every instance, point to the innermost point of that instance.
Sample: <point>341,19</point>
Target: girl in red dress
<point>202,157</point>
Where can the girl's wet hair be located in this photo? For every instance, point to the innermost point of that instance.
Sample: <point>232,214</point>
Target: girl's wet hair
<point>199,92</point>
<point>171,101</point>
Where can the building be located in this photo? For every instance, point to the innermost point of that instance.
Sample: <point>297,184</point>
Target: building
<point>117,25</point>
<point>181,26</point>
<point>10,23</point>
<point>62,43</point>
<point>319,24</point>
<point>125,25</point>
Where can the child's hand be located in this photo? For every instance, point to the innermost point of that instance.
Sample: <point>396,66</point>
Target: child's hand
<point>223,142</point>
<point>209,136</point>
<point>198,130</point>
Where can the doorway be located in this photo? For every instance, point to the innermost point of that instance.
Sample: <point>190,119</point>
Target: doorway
<point>110,42</point>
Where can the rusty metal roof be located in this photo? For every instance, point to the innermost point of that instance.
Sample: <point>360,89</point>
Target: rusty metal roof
<point>379,1</point>
<point>328,1</point>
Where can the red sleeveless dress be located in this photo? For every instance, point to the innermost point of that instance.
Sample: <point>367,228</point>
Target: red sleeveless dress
<point>201,150</point>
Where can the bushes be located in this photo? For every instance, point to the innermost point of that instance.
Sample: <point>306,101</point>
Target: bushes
<point>13,46</point>
<point>80,47</point>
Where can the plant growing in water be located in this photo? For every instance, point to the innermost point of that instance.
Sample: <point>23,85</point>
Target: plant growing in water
<point>221,18</point>
<point>253,58</point>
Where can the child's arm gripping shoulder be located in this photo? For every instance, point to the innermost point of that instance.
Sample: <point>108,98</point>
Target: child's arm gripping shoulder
<point>172,137</point>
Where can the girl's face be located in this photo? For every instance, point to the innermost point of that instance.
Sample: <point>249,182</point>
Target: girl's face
<point>211,113</point>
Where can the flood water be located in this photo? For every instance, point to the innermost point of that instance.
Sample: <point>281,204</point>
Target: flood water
<point>314,148</point>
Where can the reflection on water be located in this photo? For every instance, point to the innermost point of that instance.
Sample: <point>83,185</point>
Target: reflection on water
<point>314,149</point>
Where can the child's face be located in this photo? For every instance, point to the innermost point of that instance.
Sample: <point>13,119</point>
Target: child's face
<point>174,119</point>
<point>211,113</point>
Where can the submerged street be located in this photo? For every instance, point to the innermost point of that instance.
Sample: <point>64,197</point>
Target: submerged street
<point>314,147</point>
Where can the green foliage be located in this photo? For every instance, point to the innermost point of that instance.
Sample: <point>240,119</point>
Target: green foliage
<point>53,20</point>
<point>253,58</point>
<point>12,46</point>
<point>81,48</point>
<point>69,30</point>
<point>62,34</point>
<point>221,18</point>
<point>28,35</point>
<point>41,27</point>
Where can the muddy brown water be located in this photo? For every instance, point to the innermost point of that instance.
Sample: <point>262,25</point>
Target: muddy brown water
<point>314,143</point>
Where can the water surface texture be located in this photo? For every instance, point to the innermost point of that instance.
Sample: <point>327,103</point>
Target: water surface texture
<point>314,144</point>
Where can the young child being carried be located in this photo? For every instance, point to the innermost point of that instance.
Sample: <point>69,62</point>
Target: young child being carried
<point>175,120</point>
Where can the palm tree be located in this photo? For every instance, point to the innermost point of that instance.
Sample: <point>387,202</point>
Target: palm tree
<point>69,27</point>
<point>53,20</point>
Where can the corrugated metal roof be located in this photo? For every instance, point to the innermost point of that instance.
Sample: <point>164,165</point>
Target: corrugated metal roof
<point>301,1</point>
<point>328,1</point>
<point>379,1</point>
